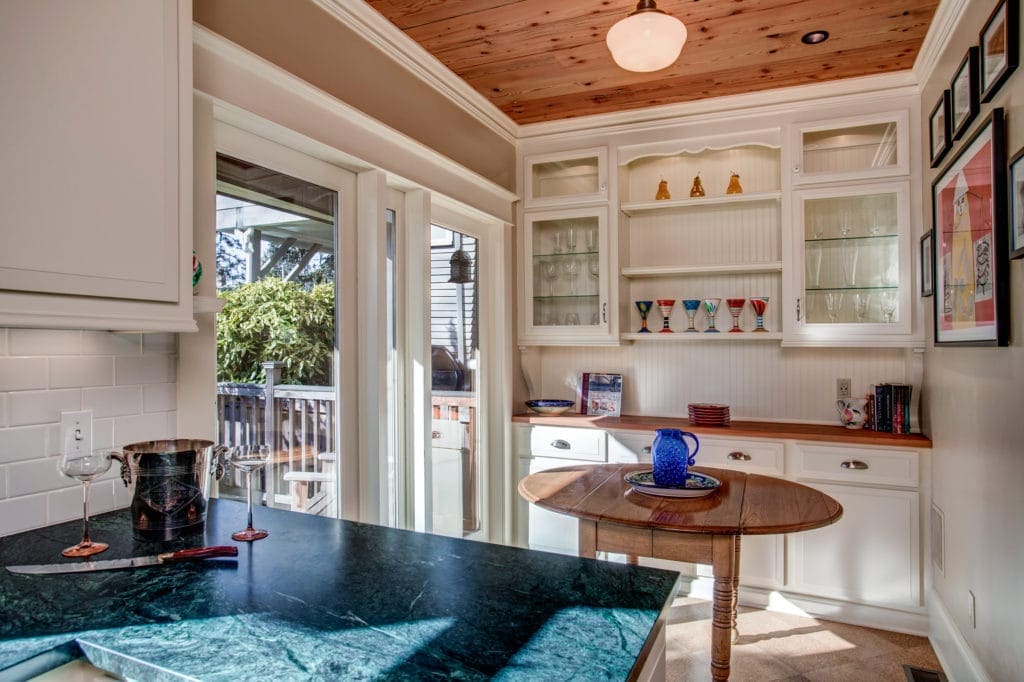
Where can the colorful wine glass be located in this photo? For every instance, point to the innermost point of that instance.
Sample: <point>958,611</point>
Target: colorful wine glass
<point>711,308</point>
<point>645,309</point>
<point>735,308</point>
<point>691,305</point>
<point>759,304</point>
<point>665,304</point>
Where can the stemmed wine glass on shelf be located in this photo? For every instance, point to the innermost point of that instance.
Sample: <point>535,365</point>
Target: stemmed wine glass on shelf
<point>249,458</point>
<point>85,466</point>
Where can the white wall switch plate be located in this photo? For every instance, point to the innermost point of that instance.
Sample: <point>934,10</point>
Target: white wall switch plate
<point>76,432</point>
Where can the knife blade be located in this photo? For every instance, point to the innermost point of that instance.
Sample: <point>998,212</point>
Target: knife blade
<point>132,562</point>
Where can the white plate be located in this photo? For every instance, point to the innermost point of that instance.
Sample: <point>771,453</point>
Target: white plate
<point>697,485</point>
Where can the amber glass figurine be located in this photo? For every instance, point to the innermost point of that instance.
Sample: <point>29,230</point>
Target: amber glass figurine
<point>663,193</point>
<point>698,189</point>
<point>734,185</point>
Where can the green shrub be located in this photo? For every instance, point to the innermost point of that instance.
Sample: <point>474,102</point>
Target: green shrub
<point>276,320</point>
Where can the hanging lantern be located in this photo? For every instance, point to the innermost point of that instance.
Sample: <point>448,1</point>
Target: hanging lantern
<point>461,268</point>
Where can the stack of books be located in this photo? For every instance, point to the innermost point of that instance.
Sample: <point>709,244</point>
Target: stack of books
<point>890,408</point>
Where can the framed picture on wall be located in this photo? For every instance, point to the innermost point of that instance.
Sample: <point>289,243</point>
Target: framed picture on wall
<point>998,42</point>
<point>927,259</point>
<point>963,94</point>
<point>1017,205</point>
<point>972,298</point>
<point>938,129</point>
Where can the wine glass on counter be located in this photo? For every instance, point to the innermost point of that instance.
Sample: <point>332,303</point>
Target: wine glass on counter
<point>85,466</point>
<point>249,458</point>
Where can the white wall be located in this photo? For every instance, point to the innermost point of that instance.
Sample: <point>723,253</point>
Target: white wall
<point>127,380</point>
<point>972,410</point>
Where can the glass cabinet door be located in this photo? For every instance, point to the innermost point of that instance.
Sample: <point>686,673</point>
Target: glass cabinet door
<point>566,178</point>
<point>866,147</point>
<point>856,265</point>
<point>566,273</point>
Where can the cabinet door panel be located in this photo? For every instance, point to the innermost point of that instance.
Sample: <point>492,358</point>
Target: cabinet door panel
<point>871,554</point>
<point>547,530</point>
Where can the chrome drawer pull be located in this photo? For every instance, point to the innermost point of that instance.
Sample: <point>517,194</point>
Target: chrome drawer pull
<point>646,450</point>
<point>739,456</point>
<point>854,464</point>
<point>435,435</point>
<point>561,444</point>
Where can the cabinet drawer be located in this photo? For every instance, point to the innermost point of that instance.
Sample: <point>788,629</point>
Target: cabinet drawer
<point>583,444</point>
<point>630,447</point>
<point>757,457</point>
<point>860,465</point>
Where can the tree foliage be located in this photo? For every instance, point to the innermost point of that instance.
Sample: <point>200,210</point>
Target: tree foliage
<point>275,320</point>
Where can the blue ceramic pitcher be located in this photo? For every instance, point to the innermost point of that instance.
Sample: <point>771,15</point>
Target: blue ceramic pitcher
<point>671,456</point>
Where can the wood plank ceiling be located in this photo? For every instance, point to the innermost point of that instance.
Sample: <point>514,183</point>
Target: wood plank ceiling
<point>543,60</point>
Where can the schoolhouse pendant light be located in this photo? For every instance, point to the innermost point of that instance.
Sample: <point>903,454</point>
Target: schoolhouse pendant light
<point>647,40</point>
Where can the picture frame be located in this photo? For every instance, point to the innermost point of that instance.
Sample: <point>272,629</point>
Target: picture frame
<point>927,259</point>
<point>938,129</point>
<point>963,94</point>
<point>999,48</point>
<point>972,297</point>
<point>1016,189</point>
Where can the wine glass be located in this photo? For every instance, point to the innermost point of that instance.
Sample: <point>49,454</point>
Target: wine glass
<point>833,302</point>
<point>572,269</point>
<point>85,467</point>
<point>735,309</point>
<point>249,458</point>
<point>591,237</point>
<point>644,307</point>
<point>850,254</point>
<point>571,236</point>
<point>711,308</point>
<point>690,305</point>
<point>888,305</point>
<point>666,304</point>
<point>860,306</point>
<point>759,304</point>
<point>549,270</point>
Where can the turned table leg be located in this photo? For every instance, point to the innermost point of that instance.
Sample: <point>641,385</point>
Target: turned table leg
<point>735,588</point>
<point>723,564</point>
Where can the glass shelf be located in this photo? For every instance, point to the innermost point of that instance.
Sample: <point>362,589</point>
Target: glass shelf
<point>564,255</point>
<point>849,238</point>
<point>881,287</point>
<point>565,297</point>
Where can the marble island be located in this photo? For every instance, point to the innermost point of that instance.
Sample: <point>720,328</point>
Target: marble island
<point>327,599</point>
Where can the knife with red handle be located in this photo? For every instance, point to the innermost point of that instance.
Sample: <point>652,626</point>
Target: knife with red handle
<point>196,554</point>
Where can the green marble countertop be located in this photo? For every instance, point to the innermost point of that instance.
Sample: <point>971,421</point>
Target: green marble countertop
<point>325,599</point>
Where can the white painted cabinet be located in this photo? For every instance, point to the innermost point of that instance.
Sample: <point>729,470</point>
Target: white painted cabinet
<point>96,128</point>
<point>566,178</point>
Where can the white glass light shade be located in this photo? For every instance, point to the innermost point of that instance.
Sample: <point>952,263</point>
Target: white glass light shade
<point>646,41</point>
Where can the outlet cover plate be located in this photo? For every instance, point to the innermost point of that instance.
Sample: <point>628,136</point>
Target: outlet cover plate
<point>843,389</point>
<point>76,432</point>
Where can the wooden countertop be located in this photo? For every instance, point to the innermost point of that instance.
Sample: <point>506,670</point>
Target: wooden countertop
<point>737,429</point>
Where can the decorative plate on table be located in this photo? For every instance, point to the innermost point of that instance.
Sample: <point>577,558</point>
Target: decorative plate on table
<point>697,485</point>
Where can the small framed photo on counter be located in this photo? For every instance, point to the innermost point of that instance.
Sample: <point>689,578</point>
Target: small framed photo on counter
<point>963,94</point>
<point>999,44</point>
<point>1017,205</point>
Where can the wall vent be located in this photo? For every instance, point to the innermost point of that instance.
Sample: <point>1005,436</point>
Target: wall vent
<point>938,543</point>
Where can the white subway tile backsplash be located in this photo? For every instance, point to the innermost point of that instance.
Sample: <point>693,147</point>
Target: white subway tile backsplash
<point>22,443</point>
<point>149,369</point>
<point>102,433</point>
<point>159,397</point>
<point>22,374</point>
<point>172,425</point>
<point>3,482</point>
<point>66,505</point>
<point>5,413</point>
<point>109,343</point>
<point>44,342</point>
<point>22,513</point>
<point>116,401</point>
<point>35,476</point>
<point>141,427</point>
<point>159,344</point>
<point>74,372</point>
<point>42,407</point>
<point>3,342</point>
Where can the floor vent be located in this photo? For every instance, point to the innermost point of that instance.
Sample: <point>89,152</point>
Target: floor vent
<point>938,545</point>
<point>922,675</point>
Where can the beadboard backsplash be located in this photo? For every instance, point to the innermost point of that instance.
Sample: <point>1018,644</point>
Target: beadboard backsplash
<point>127,380</point>
<point>757,380</point>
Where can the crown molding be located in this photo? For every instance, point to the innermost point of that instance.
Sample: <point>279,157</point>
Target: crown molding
<point>249,62</point>
<point>405,51</point>
<point>947,17</point>
<point>731,107</point>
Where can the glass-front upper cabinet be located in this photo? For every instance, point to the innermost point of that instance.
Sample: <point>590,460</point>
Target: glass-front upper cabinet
<point>850,281</point>
<point>565,268</point>
<point>850,149</point>
<point>566,178</point>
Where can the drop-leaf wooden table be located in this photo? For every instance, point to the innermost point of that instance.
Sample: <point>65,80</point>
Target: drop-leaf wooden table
<point>705,530</point>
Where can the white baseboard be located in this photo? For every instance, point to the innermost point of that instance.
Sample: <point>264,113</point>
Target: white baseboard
<point>954,653</point>
<point>910,621</point>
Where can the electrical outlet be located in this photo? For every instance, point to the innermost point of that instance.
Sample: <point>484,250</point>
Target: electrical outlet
<point>76,431</point>
<point>971,612</point>
<point>843,389</point>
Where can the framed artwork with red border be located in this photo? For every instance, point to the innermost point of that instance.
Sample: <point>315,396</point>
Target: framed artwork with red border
<point>972,298</point>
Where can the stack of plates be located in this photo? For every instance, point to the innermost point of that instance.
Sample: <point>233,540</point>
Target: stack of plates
<point>709,414</point>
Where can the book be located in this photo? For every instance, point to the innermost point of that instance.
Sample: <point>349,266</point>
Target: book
<point>600,394</point>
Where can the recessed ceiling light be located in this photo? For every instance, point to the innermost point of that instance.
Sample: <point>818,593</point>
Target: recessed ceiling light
<point>814,37</point>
